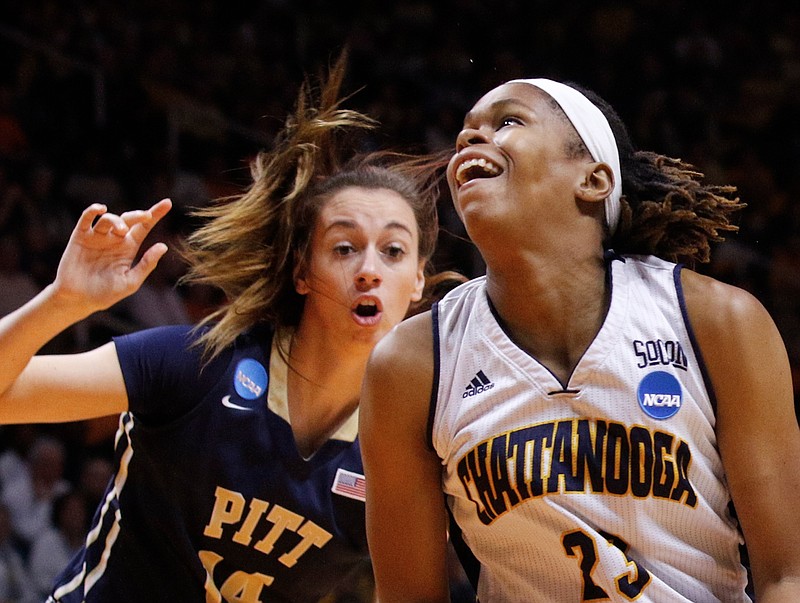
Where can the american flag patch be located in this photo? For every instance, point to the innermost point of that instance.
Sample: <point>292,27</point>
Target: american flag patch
<point>349,484</point>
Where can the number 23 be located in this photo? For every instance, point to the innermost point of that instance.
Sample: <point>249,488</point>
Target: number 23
<point>580,544</point>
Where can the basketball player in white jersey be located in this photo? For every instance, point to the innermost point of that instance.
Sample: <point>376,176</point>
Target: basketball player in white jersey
<point>605,424</point>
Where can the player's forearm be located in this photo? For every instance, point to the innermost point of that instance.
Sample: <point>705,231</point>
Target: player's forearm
<point>24,331</point>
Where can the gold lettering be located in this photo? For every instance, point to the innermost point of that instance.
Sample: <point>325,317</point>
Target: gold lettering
<point>282,520</point>
<point>209,559</point>
<point>227,509</point>
<point>245,534</point>
<point>312,535</point>
<point>241,587</point>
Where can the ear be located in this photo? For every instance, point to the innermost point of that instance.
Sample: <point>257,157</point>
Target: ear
<point>420,284</point>
<point>596,183</point>
<point>299,277</point>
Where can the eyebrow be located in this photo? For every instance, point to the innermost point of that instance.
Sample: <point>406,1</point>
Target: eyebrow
<point>500,104</point>
<point>352,225</point>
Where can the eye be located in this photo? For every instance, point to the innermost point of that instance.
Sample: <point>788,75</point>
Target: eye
<point>510,120</point>
<point>394,251</point>
<point>343,249</point>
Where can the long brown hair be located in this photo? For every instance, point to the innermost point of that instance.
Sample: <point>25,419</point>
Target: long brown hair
<point>250,245</point>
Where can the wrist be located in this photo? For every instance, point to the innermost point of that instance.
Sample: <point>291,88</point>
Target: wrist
<point>68,307</point>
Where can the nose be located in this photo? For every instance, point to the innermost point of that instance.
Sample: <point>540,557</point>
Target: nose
<point>471,136</point>
<point>368,275</point>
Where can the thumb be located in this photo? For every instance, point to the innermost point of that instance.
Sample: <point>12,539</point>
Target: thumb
<point>147,263</point>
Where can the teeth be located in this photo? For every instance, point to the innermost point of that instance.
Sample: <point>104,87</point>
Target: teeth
<point>368,307</point>
<point>487,167</point>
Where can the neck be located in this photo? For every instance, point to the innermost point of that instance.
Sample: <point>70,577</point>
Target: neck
<point>328,364</point>
<point>553,310</point>
<point>323,387</point>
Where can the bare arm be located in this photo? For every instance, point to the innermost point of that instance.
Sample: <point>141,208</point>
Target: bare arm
<point>757,430</point>
<point>96,271</point>
<point>406,519</point>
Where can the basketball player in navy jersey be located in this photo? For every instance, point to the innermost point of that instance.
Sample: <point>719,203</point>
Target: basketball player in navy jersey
<point>239,473</point>
<point>590,408</point>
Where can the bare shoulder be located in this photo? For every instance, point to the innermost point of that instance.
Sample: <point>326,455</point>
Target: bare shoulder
<point>397,384</point>
<point>721,313</point>
<point>406,348</point>
<point>743,351</point>
<point>756,424</point>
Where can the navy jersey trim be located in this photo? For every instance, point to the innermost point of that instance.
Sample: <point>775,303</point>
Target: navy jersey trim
<point>676,275</point>
<point>609,255</point>
<point>88,571</point>
<point>470,563</point>
<point>436,368</point>
<point>501,323</point>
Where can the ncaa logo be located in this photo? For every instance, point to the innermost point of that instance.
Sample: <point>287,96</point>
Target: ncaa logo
<point>250,379</point>
<point>660,395</point>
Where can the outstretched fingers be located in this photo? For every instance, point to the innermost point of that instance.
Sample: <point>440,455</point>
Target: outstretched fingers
<point>141,222</point>
<point>96,219</point>
<point>147,263</point>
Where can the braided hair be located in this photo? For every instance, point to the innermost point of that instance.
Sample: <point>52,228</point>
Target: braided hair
<point>667,208</point>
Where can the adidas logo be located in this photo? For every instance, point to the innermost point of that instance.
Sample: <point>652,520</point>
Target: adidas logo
<point>479,383</point>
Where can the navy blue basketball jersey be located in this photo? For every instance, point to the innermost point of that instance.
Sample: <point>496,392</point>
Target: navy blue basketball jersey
<point>211,500</point>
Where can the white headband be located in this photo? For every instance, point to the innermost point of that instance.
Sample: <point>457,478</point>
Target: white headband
<point>593,128</point>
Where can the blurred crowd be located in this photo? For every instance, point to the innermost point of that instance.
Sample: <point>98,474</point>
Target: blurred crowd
<point>126,103</point>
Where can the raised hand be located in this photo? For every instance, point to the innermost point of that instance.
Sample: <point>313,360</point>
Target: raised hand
<point>97,268</point>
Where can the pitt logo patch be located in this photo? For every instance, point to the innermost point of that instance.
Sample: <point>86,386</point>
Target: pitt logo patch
<point>660,395</point>
<point>250,379</point>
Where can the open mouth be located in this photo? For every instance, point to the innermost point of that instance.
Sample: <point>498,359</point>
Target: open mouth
<point>475,168</point>
<point>367,311</point>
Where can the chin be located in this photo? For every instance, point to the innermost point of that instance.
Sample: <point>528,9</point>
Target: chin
<point>368,332</point>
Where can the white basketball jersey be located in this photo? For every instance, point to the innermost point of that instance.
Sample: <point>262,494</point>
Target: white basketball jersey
<point>610,489</point>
